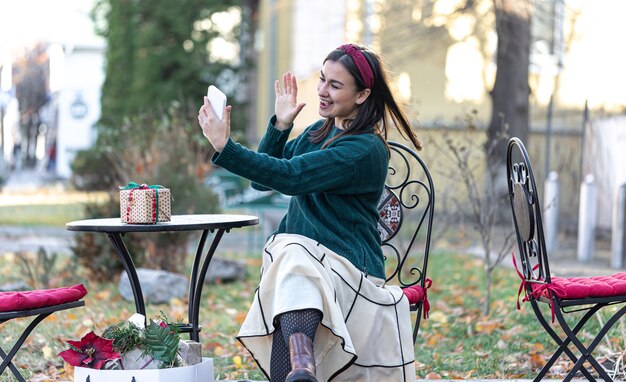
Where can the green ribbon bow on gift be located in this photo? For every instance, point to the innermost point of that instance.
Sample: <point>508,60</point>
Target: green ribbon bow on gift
<point>143,186</point>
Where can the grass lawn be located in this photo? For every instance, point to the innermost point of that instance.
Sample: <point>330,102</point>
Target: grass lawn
<point>41,215</point>
<point>46,208</point>
<point>456,342</point>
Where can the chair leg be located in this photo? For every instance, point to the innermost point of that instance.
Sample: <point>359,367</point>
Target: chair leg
<point>571,336</point>
<point>8,357</point>
<point>586,352</point>
<point>605,329</point>
<point>6,362</point>
<point>563,343</point>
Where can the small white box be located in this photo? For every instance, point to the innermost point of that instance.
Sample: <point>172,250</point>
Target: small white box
<point>202,372</point>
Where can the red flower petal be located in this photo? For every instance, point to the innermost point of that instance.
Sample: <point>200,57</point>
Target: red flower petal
<point>73,357</point>
<point>93,351</point>
<point>105,347</point>
<point>84,342</point>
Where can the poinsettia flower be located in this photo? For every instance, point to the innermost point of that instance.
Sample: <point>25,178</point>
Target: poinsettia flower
<point>91,351</point>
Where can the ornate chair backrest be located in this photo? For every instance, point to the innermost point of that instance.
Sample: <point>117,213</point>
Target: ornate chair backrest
<point>406,216</point>
<point>526,208</point>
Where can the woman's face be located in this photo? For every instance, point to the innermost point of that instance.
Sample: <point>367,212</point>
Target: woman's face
<point>339,97</point>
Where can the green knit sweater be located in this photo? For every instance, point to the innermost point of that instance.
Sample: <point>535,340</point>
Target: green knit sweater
<point>335,190</point>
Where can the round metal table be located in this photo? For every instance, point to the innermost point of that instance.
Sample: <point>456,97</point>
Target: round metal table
<point>221,223</point>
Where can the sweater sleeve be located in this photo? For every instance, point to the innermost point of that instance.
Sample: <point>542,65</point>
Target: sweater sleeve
<point>273,144</point>
<point>343,167</point>
<point>274,141</point>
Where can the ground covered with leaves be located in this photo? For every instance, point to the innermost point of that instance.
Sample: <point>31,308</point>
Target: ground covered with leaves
<point>457,341</point>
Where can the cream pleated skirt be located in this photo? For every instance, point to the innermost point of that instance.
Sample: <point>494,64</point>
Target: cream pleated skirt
<point>366,332</point>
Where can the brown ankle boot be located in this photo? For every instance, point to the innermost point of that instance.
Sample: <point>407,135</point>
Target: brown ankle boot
<point>302,360</point>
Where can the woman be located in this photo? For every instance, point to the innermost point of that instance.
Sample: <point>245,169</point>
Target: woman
<point>322,311</point>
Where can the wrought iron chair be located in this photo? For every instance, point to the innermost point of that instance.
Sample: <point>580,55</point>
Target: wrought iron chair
<point>406,216</point>
<point>564,295</point>
<point>38,304</point>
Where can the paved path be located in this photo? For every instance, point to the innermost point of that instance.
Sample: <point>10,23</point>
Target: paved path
<point>30,239</point>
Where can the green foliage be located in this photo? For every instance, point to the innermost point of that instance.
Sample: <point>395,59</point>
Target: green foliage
<point>158,69</point>
<point>158,340</point>
<point>125,336</point>
<point>39,269</point>
<point>91,170</point>
<point>43,270</point>
<point>156,55</point>
<point>161,342</point>
<point>167,149</point>
<point>94,250</point>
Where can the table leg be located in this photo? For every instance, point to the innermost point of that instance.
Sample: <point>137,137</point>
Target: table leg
<point>194,269</point>
<point>131,271</point>
<point>194,304</point>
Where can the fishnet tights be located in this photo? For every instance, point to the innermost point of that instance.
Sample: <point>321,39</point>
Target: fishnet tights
<point>299,321</point>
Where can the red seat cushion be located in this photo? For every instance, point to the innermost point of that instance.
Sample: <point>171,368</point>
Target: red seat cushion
<point>416,294</point>
<point>32,299</point>
<point>585,287</point>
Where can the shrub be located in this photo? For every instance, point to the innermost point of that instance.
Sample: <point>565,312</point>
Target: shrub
<point>166,149</point>
<point>43,270</point>
<point>95,252</point>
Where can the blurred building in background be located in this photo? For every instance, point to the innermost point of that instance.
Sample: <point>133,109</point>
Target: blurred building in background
<point>77,101</point>
<point>442,54</point>
<point>61,37</point>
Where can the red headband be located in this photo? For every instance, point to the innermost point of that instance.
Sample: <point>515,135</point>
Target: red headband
<point>361,63</point>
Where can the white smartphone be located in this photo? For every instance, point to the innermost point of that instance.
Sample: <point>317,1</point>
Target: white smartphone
<point>218,101</point>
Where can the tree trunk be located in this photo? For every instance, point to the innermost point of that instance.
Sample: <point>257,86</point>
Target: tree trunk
<point>510,92</point>
<point>488,269</point>
<point>487,303</point>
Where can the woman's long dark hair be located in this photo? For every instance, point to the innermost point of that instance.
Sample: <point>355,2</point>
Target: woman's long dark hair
<point>375,112</point>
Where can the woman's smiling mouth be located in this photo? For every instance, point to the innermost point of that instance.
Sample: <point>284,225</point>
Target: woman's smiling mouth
<point>324,104</point>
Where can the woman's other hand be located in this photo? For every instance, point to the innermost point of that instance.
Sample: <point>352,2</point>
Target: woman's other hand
<point>286,106</point>
<point>215,130</point>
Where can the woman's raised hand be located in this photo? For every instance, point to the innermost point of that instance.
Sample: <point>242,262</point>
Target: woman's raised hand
<point>286,106</point>
<point>216,130</point>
